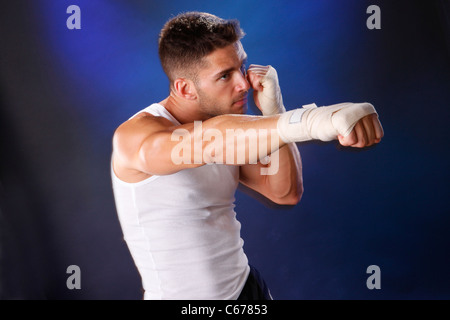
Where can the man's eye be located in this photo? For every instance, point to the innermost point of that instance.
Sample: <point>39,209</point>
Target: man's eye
<point>225,76</point>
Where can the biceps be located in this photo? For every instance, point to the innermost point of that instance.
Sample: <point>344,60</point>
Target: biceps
<point>149,145</point>
<point>165,153</point>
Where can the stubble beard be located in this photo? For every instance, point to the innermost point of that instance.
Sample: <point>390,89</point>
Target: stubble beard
<point>212,107</point>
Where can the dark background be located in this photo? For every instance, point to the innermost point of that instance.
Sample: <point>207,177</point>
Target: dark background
<point>63,93</point>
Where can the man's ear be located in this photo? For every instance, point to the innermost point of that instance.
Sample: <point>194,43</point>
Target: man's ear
<point>185,88</point>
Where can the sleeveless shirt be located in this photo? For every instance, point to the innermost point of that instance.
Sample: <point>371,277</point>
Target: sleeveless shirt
<point>182,232</point>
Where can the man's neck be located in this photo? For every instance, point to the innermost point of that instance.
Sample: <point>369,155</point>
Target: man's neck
<point>183,111</point>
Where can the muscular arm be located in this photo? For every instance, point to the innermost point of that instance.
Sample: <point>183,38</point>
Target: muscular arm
<point>285,184</point>
<point>147,145</point>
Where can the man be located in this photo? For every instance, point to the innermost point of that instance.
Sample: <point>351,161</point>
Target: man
<point>175,170</point>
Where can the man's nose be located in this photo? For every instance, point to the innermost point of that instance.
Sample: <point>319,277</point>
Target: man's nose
<point>243,84</point>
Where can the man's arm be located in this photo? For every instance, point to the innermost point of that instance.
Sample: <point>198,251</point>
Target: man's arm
<point>285,184</point>
<point>147,145</point>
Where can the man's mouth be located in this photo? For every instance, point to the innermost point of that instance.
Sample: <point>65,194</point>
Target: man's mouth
<point>241,101</point>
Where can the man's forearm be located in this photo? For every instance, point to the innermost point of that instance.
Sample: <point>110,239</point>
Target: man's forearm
<point>246,139</point>
<point>227,139</point>
<point>287,180</point>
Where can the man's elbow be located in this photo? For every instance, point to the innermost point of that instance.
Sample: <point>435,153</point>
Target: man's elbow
<point>294,199</point>
<point>291,199</point>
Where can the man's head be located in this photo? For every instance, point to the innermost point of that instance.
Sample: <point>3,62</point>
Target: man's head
<point>200,53</point>
<point>188,38</point>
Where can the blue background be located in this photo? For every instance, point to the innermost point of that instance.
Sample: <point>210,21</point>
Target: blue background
<point>63,93</point>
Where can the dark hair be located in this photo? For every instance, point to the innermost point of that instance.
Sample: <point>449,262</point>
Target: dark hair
<point>187,38</point>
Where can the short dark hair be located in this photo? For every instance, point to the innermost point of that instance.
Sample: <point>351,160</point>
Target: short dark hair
<point>188,37</point>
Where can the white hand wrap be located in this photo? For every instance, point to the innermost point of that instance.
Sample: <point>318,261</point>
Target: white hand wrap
<point>324,123</point>
<point>270,98</point>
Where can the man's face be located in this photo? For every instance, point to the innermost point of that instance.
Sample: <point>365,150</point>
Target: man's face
<point>222,85</point>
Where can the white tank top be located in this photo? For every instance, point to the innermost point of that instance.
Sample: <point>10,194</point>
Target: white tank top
<point>182,231</point>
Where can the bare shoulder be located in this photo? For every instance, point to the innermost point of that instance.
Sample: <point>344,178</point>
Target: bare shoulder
<point>128,139</point>
<point>133,131</point>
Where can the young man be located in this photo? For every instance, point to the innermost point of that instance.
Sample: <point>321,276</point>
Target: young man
<point>175,168</point>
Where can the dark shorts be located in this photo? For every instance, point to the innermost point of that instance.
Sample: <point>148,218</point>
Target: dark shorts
<point>255,287</point>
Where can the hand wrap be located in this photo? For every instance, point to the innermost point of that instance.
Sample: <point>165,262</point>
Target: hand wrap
<point>270,98</point>
<point>324,123</point>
